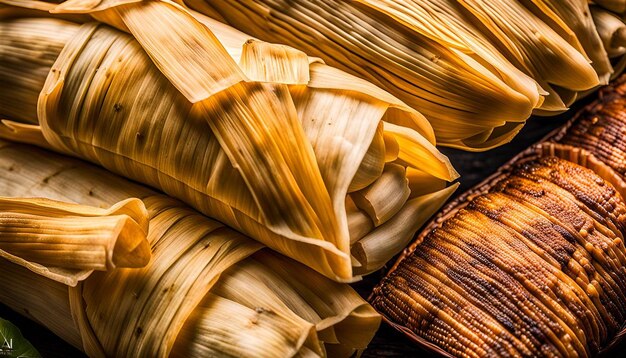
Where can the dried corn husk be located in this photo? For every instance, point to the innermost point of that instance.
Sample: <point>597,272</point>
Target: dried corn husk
<point>472,103</point>
<point>66,242</point>
<point>533,44</point>
<point>617,6</point>
<point>272,160</point>
<point>445,22</point>
<point>552,42</point>
<point>14,90</point>
<point>207,290</point>
<point>573,21</point>
<point>612,31</point>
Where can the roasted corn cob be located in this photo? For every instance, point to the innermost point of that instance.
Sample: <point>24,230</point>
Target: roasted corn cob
<point>294,166</point>
<point>207,291</point>
<point>534,267</point>
<point>532,261</point>
<point>601,130</point>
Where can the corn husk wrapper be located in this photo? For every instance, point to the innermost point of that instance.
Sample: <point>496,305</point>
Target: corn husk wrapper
<point>532,43</point>
<point>272,160</point>
<point>14,90</point>
<point>449,23</point>
<point>207,291</point>
<point>523,41</point>
<point>470,104</point>
<point>611,29</point>
<point>66,242</point>
<point>616,6</point>
<point>445,22</point>
<point>573,21</point>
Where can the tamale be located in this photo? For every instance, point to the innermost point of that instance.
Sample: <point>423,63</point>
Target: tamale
<point>208,290</point>
<point>452,23</point>
<point>276,159</point>
<point>472,104</point>
<point>445,22</point>
<point>534,48</point>
<point>533,44</point>
<point>574,17</point>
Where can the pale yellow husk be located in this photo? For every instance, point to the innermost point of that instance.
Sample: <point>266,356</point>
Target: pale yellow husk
<point>445,22</point>
<point>533,44</point>
<point>66,242</point>
<point>475,69</point>
<point>612,31</point>
<point>464,98</point>
<point>460,62</point>
<point>274,159</point>
<point>573,21</point>
<point>208,290</point>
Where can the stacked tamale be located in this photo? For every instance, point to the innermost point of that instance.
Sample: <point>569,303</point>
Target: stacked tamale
<point>207,290</point>
<point>310,161</point>
<point>530,262</point>
<point>317,164</point>
<point>475,69</point>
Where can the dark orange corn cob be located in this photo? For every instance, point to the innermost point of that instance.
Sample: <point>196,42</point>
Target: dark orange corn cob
<point>602,131</point>
<point>533,267</point>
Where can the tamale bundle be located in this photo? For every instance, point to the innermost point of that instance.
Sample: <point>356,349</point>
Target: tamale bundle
<point>549,52</point>
<point>472,103</point>
<point>531,43</point>
<point>207,291</point>
<point>531,261</point>
<point>573,21</point>
<point>312,162</point>
<point>509,29</point>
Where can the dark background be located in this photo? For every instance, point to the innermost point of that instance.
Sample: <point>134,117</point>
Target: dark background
<point>473,167</point>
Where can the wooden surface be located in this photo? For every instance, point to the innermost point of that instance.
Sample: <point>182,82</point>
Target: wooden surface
<point>473,167</point>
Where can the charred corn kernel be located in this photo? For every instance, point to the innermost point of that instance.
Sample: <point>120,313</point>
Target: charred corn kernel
<point>532,266</point>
